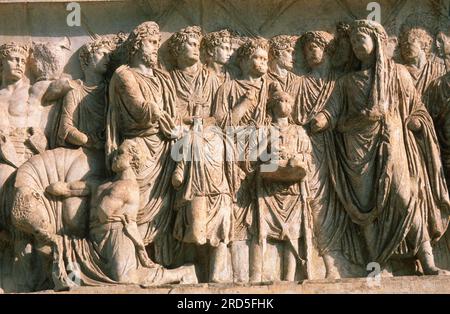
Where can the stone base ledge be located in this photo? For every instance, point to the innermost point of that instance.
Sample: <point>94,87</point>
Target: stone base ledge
<point>399,285</point>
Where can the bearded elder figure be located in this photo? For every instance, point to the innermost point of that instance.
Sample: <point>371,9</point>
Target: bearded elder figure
<point>385,164</point>
<point>142,107</point>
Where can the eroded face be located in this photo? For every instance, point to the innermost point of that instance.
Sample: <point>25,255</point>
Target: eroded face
<point>258,62</point>
<point>222,53</point>
<point>410,47</point>
<point>444,42</point>
<point>121,160</point>
<point>149,50</point>
<point>283,107</point>
<point>100,60</point>
<point>13,66</point>
<point>344,51</point>
<point>286,58</point>
<point>314,54</point>
<point>363,46</point>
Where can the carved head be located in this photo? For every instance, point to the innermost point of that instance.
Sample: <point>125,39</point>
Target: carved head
<point>128,155</point>
<point>184,45</point>
<point>143,42</point>
<point>280,103</point>
<point>14,58</point>
<point>443,40</point>
<point>414,42</point>
<point>48,59</point>
<point>316,47</point>
<point>253,56</point>
<point>281,51</point>
<point>94,56</point>
<point>27,209</point>
<point>367,37</point>
<point>343,48</point>
<point>217,46</point>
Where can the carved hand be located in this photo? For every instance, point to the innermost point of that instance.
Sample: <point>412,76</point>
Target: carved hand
<point>251,94</point>
<point>166,125</point>
<point>177,178</point>
<point>155,111</point>
<point>319,123</point>
<point>414,124</point>
<point>58,189</point>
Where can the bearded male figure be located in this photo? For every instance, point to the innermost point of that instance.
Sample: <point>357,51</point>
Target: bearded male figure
<point>142,109</point>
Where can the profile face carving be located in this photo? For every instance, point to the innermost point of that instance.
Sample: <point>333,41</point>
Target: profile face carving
<point>363,45</point>
<point>95,56</point>
<point>217,46</point>
<point>282,51</point>
<point>443,42</point>
<point>185,45</point>
<point>128,155</point>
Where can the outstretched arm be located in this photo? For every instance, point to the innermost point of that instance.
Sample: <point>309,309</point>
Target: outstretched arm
<point>69,189</point>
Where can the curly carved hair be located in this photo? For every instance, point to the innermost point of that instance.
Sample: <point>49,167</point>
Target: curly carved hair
<point>343,29</point>
<point>370,28</point>
<point>280,43</point>
<point>47,59</point>
<point>420,33</point>
<point>276,95</point>
<point>88,49</point>
<point>323,39</point>
<point>8,48</point>
<point>215,39</point>
<point>139,34</point>
<point>177,40</point>
<point>138,157</point>
<point>247,49</point>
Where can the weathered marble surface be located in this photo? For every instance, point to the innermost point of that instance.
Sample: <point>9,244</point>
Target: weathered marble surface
<point>354,114</point>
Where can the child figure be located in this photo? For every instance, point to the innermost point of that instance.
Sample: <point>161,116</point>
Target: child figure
<point>283,190</point>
